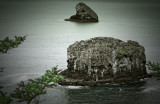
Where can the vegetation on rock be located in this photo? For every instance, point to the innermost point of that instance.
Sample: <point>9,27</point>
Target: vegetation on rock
<point>155,67</point>
<point>104,60</point>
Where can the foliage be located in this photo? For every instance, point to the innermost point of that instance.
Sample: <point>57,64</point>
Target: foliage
<point>4,99</point>
<point>124,50</point>
<point>7,43</point>
<point>30,91</point>
<point>155,67</point>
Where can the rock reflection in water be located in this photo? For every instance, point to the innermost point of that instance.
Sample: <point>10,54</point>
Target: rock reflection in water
<point>110,94</point>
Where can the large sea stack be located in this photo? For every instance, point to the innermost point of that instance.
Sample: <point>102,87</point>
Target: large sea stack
<point>83,14</point>
<point>103,60</point>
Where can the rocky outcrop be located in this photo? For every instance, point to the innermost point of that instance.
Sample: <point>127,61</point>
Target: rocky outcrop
<point>103,60</point>
<point>83,14</point>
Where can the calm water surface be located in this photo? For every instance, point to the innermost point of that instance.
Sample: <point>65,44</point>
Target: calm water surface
<point>49,36</point>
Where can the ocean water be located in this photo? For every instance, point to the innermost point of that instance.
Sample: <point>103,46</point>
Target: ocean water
<point>48,37</point>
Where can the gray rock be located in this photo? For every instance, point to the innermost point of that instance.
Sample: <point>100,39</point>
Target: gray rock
<point>83,14</point>
<point>104,60</point>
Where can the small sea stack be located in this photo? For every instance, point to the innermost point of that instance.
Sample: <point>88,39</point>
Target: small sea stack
<point>83,14</point>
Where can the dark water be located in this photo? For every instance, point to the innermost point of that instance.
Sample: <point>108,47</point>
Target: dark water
<point>146,92</point>
<point>49,36</point>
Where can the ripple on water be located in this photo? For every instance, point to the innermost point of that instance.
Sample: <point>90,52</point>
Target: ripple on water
<point>15,78</point>
<point>76,87</point>
<point>151,89</point>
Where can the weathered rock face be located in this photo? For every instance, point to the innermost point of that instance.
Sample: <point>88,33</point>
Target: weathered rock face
<point>84,14</point>
<point>103,59</point>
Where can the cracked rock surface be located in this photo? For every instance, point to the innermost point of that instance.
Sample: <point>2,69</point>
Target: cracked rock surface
<point>104,60</point>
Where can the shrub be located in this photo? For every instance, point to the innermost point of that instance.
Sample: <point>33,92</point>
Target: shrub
<point>7,43</point>
<point>30,91</point>
<point>4,99</point>
<point>155,67</point>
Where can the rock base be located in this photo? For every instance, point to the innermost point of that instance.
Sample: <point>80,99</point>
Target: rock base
<point>78,82</point>
<point>83,21</point>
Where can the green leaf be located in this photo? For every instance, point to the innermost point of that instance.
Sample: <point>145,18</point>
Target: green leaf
<point>7,43</point>
<point>35,87</point>
<point>155,67</point>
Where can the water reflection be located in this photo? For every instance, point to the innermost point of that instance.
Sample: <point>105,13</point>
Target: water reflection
<point>110,94</point>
